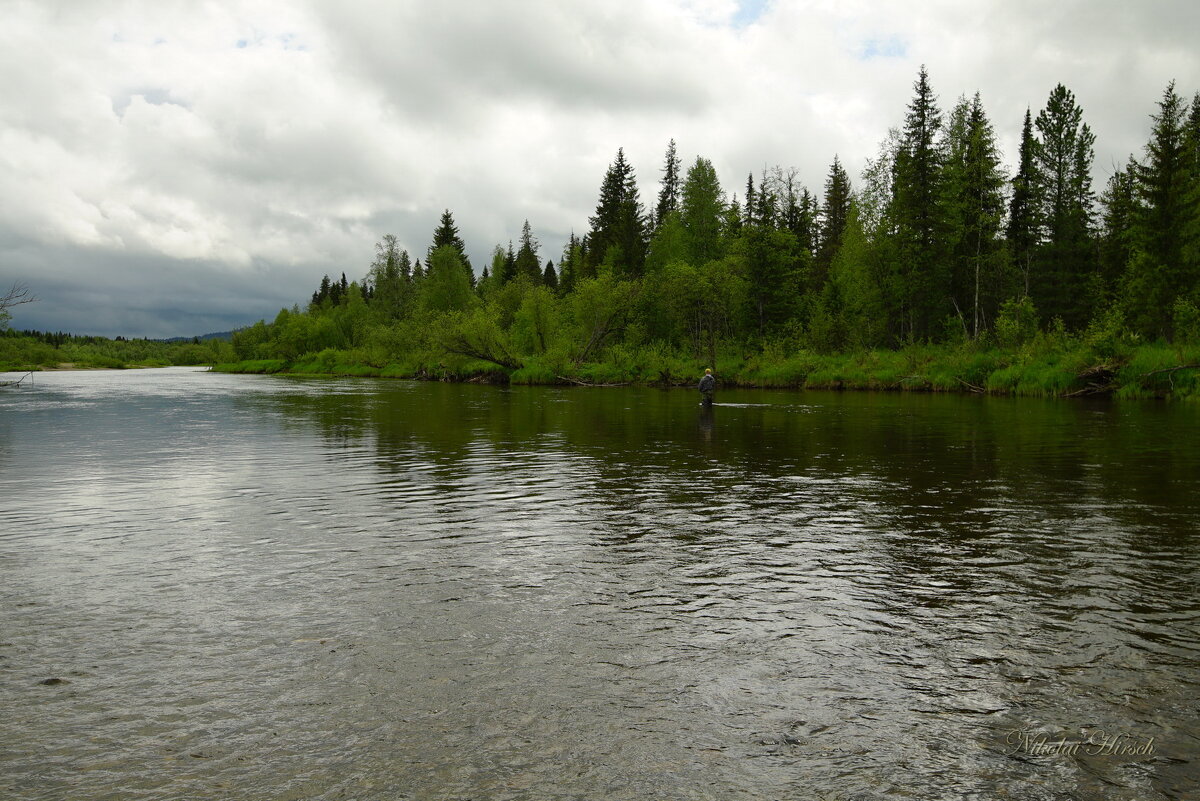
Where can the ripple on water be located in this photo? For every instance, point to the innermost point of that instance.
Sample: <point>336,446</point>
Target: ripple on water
<point>287,589</point>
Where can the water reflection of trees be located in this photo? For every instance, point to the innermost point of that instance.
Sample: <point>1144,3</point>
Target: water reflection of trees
<point>931,466</point>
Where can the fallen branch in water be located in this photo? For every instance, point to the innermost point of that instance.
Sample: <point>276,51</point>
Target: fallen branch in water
<point>17,383</point>
<point>1090,389</point>
<point>1101,380</point>
<point>1172,369</point>
<point>1170,372</point>
<point>971,386</point>
<point>588,384</point>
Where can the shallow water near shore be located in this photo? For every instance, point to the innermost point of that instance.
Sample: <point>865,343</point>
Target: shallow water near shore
<point>225,586</point>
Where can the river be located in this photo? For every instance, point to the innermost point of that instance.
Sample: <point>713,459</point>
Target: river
<point>264,587</point>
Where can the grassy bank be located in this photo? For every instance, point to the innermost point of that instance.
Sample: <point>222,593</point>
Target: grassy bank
<point>1066,368</point>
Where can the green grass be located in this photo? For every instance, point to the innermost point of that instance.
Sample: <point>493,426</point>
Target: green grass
<point>252,366</point>
<point>1046,367</point>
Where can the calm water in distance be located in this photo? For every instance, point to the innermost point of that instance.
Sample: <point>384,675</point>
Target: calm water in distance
<point>265,587</point>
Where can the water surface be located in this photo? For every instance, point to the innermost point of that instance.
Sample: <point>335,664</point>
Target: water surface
<point>277,588</point>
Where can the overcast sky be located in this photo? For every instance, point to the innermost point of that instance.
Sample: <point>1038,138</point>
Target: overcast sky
<point>175,168</point>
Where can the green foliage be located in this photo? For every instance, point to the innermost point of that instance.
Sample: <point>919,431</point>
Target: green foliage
<point>618,228</point>
<point>1160,371</point>
<point>598,311</point>
<point>1017,323</point>
<point>919,215</point>
<point>1160,220</point>
<point>527,264</point>
<point>668,244</point>
<point>910,284</point>
<point>446,235</point>
<point>1107,334</point>
<point>668,194</point>
<point>477,334</point>
<point>701,214</point>
<point>835,212</point>
<point>974,203</point>
<point>30,350</point>
<point>1066,258</point>
<point>1185,321</point>
<point>537,323</point>
<point>445,286</point>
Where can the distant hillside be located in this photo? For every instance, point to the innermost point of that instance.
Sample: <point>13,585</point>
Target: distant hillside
<point>226,335</point>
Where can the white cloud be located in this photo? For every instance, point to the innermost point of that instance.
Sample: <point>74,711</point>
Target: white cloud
<point>240,150</point>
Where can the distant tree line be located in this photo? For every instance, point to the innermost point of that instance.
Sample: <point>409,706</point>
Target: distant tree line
<point>937,244</point>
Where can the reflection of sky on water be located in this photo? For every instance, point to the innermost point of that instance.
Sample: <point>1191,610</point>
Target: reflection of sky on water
<point>854,594</point>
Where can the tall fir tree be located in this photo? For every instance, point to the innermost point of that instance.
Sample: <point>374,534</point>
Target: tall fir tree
<point>668,193</point>
<point>569,264</point>
<point>618,228</point>
<point>797,216</point>
<point>1118,205</point>
<point>751,201</point>
<point>1065,282</point>
<point>918,215</point>
<point>767,202</point>
<point>527,262</point>
<point>974,196</point>
<point>1163,185</point>
<point>834,212</point>
<point>1024,226</point>
<point>770,263</point>
<point>445,287</point>
<point>447,234</point>
<point>731,225</point>
<point>1191,226</point>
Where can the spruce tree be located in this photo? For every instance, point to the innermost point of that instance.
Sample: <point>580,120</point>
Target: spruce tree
<point>767,203</point>
<point>550,277</point>
<point>569,264</point>
<point>1191,225</point>
<point>1164,186</point>
<point>1063,283</point>
<point>1118,204</point>
<point>975,204</point>
<point>668,193</point>
<point>834,213</point>
<point>1023,225</point>
<point>527,262</point>
<point>751,201</point>
<point>807,224</point>
<point>618,233</point>
<point>918,215</point>
<point>447,234</point>
<point>733,219</point>
<point>446,287</point>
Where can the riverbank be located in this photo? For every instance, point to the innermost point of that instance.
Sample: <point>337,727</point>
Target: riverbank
<point>1070,370</point>
<point>25,351</point>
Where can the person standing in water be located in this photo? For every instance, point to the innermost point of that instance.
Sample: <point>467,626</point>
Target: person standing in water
<point>707,384</point>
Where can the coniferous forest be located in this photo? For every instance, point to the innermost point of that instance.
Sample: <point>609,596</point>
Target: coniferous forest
<point>937,270</point>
